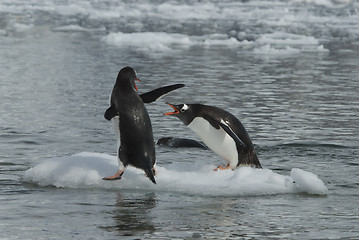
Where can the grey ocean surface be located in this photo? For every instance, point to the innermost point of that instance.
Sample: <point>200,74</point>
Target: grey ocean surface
<point>289,70</point>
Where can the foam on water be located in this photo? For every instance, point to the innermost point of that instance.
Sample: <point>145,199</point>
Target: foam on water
<point>86,170</point>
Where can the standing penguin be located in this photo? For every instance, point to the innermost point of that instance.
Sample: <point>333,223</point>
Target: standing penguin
<point>135,143</point>
<point>222,132</point>
<point>132,126</point>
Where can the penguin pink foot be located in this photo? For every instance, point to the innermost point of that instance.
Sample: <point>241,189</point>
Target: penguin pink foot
<point>117,176</point>
<point>221,168</point>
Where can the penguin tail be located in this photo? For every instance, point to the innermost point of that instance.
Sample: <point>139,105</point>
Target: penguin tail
<point>150,174</point>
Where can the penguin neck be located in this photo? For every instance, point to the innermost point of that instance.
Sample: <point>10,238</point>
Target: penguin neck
<point>124,85</point>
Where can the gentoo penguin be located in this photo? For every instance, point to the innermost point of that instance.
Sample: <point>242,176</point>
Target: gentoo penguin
<point>180,143</point>
<point>135,144</point>
<point>222,132</point>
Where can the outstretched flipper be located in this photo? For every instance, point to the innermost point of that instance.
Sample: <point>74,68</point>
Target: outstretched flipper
<point>148,97</point>
<point>159,92</point>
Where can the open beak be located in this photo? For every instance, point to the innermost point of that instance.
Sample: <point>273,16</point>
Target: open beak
<point>171,113</point>
<point>136,79</point>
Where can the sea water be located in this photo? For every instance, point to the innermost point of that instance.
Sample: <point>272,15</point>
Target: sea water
<point>287,69</point>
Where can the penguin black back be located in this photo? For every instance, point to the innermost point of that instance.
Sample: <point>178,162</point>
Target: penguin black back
<point>134,125</point>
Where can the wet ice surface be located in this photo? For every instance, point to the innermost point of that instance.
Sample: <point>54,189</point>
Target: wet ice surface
<point>288,70</point>
<point>86,170</point>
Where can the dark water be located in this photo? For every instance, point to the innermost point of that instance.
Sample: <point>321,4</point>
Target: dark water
<point>299,102</point>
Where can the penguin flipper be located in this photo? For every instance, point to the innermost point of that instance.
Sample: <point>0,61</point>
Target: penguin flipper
<point>153,95</point>
<point>110,113</point>
<point>217,124</point>
<point>232,134</point>
<point>212,121</point>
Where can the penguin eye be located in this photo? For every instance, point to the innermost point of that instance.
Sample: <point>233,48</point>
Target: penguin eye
<point>184,108</point>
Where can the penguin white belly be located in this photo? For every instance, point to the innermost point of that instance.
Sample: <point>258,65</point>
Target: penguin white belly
<point>216,139</point>
<point>116,128</point>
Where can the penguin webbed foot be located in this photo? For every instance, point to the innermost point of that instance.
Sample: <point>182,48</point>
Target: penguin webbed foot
<point>117,176</point>
<point>111,178</point>
<point>220,167</point>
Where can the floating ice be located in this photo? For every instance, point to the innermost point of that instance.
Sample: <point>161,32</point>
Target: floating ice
<point>19,27</point>
<point>326,3</point>
<point>147,41</point>
<point>308,182</point>
<point>287,38</point>
<point>287,43</point>
<point>70,28</point>
<point>268,49</point>
<point>77,28</point>
<point>86,170</point>
<point>162,42</point>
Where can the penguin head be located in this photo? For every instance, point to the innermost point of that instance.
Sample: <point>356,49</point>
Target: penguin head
<point>127,76</point>
<point>185,112</point>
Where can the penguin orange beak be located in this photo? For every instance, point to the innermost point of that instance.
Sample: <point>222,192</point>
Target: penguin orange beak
<point>136,79</point>
<point>171,113</point>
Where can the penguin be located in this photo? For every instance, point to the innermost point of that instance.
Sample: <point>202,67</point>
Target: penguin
<point>221,131</point>
<point>135,143</point>
<point>180,143</point>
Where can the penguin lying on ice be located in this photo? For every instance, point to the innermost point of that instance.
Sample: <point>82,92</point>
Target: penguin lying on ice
<point>222,132</point>
<point>132,124</point>
<point>180,143</point>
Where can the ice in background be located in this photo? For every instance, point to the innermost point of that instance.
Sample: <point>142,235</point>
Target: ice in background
<point>263,27</point>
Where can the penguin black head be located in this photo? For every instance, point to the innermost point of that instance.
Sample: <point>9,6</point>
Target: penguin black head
<point>127,75</point>
<point>185,112</point>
